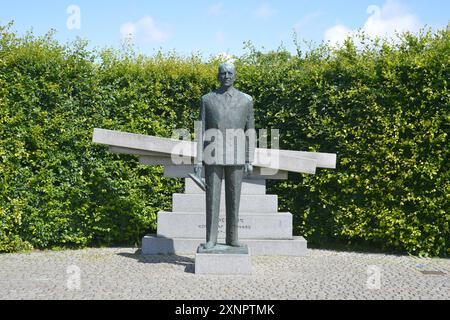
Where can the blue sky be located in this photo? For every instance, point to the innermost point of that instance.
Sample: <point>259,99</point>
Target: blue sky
<point>213,27</point>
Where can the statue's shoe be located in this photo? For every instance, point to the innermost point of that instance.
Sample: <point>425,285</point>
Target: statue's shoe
<point>209,245</point>
<point>210,248</point>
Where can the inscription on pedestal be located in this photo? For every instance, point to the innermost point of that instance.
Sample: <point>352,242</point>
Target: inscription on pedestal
<point>222,226</point>
<point>250,226</point>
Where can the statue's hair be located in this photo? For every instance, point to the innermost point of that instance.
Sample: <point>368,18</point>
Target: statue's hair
<point>227,65</point>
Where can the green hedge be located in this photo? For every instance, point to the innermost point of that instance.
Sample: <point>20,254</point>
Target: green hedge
<point>383,108</point>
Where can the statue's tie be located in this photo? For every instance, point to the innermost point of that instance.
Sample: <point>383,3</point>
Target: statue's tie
<point>227,98</point>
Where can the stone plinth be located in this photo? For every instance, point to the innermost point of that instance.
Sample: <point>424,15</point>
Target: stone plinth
<point>295,247</point>
<point>266,231</point>
<point>223,263</point>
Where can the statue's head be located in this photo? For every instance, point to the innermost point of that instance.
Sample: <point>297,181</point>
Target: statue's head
<point>227,74</point>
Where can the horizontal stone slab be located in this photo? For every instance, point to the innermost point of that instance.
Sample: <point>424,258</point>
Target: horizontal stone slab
<point>249,203</point>
<point>223,264</point>
<point>251,225</point>
<point>287,160</point>
<point>142,142</point>
<point>323,160</point>
<point>256,187</point>
<point>182,171</point>
<point>269,161</point>
<point>296,247</point>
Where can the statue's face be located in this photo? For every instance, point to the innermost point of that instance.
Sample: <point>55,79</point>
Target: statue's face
<point>227,76</point>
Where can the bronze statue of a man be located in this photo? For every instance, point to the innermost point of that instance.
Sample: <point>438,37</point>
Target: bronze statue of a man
<point>226,149</point>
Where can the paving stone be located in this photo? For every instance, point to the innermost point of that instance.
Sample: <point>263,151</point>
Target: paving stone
<point>123,273</point>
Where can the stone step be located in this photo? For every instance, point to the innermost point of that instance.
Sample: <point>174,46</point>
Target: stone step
<point>249,203</point>
<point>251,225</point>
<point>255,187</point>
<point>297,246</point>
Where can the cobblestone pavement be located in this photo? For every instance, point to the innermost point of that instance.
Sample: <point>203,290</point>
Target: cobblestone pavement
<point>122,273</point>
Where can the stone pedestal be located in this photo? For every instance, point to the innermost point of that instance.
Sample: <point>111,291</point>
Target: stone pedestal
<point>226,262</point>
<point>261,227</point>
<point>296,247</point>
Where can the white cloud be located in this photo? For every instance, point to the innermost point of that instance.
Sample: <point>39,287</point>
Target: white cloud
<point>264,11</point>
<point>216,9</point>
<point>145,30</point>
<point>392,17</point>
<point>388,19</point>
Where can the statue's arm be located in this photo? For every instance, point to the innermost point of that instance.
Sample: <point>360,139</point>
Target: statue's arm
<point>201,134</point>
<point>251,134</point>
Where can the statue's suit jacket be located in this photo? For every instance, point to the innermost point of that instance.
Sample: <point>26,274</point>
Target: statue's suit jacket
<point>224,114</point>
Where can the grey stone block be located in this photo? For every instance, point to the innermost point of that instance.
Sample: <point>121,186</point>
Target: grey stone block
<point>296,247</point>
<point>143,142</point>
<point>251,225</point>
<point>248,187</point>
<point>249,203</point>
<point>223,264</point>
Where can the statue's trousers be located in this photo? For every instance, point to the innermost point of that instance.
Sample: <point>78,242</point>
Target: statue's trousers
<point>214,175</point>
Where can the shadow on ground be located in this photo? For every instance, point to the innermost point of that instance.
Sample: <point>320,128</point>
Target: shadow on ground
<point>188,263</point>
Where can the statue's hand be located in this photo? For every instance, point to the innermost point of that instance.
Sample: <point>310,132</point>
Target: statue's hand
<point>198,169</point>
<point>248,169</point>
